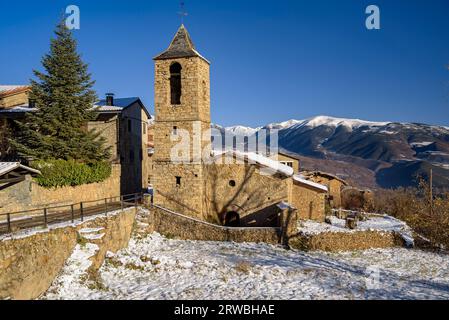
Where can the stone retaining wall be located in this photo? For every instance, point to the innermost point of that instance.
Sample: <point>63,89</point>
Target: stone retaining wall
<point>30,262</point>
<point>346,241</point>
<point>28,195</point>
<point>174,225</point>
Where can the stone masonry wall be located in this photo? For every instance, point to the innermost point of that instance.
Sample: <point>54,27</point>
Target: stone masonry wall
<point>241,188</point>
<point>107,127</point>
<point>346,241</point>
<point>28,195</point>
<point>309,203</point>
<point>174,225</point>
<point>30,263</point>
<point>185,198</point>
<point>14,100</point>
<point>194,110</point>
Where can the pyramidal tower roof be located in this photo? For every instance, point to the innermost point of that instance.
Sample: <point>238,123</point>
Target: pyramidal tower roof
<point>180,47</point>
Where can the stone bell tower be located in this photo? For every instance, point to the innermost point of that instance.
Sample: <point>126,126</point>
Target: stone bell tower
<point>182,106</point>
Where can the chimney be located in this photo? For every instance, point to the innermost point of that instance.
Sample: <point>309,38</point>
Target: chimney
<point>109,99</point>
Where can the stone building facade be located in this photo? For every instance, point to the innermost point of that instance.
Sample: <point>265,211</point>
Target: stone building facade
<point>190,179</point>
<point>289,160</point>
<point>334,184</point>
<point>13,96</point>
<point>122,122</point>
<point>182,107</point>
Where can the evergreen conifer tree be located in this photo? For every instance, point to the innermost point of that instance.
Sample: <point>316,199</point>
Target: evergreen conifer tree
<point>63,98</point>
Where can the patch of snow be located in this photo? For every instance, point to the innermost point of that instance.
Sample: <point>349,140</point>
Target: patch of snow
<point>242,131</point>
<point>284,125</point>
<point>379,223</point>
<point>156,268</point>
<point>90,230</point>
<point>70,279</point>
<point>421,144</point>
<point>388,132</point>
<point>94,236</point>
<point>437,153</point>
<point>301,179</point>
<point>255,158</point>
<point>336,122</point>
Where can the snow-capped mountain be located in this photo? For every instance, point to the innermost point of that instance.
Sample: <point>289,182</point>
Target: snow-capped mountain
<point>394,152</point>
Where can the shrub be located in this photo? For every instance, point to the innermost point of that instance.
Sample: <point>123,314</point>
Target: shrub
<point>243,267</point>
<point>62,173</point>
<point>413,206</point>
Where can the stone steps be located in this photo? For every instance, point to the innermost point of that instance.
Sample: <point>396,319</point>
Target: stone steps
<point>92,235</point>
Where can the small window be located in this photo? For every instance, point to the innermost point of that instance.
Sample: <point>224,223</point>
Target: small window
<point>178,181</point>
<point>175,131</point>
<point>232,183</point>
<point>287,163</point>
<point>129,125</point>
<point>32,103</point>
<point>144,128</point>
<point>175,83</point>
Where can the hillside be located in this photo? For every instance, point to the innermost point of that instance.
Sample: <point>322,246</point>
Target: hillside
<point>381,154</point>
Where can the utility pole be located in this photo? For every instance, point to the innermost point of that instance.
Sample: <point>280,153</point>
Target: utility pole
<point>431,191</point>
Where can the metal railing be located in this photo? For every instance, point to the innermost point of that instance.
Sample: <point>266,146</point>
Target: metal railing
<point>49,215</point>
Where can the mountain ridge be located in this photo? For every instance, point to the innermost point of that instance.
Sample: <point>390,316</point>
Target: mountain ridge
<point>396,153</point>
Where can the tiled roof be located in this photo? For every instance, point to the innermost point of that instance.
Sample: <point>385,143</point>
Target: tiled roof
<point>7,90</point>
<point>6,167</point>
<point>181,47</point>
<point>119,102</point>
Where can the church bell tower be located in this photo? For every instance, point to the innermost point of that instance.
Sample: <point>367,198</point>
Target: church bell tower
<point>182,121</point>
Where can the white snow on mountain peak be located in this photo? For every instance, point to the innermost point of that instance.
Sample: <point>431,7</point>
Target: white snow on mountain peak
<point>336,122</point>
<point>242,130</point>
<point>284,125</point>
<point>311,122</point>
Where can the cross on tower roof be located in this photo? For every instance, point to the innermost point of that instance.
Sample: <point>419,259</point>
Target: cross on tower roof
<point>180,47</point>
<point>182,13</point>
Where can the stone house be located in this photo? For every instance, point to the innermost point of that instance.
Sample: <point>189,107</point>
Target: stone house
<point>13,96</point>
<point>289,160</point>
<point>231,188</point>
<point>334,184</point>
<point>122,122</point>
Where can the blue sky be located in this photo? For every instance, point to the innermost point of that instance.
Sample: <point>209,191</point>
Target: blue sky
<point>271,60</point>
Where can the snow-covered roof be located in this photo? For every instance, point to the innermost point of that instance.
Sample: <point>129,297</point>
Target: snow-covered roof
<point>119,105</point>
<point>302,180</point>
<point>9,89</point>
<point>108,108</point>
<point>18,109</point>
<point>325,175</point>
<point>6,167</point>
<point>259,159</point>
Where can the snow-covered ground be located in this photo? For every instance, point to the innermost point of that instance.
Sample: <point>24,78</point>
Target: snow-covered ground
<point>375,223</point>
<point>158,268</point>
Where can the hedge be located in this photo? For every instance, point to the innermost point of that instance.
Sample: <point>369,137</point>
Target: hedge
<point>62,173</point>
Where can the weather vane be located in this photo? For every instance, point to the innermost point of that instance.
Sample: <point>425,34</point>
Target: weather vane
<point>183,12</point>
